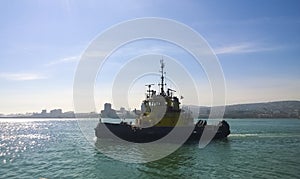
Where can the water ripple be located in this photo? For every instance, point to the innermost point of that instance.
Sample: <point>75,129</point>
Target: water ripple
<point>57,149</point>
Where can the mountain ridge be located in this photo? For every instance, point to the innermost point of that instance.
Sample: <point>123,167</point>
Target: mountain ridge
<point>275,109</point>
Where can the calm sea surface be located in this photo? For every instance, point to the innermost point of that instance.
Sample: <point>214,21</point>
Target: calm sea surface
<point>56,148</point>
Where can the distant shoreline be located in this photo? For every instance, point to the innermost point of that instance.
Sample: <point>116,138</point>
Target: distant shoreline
<point>272,110</point>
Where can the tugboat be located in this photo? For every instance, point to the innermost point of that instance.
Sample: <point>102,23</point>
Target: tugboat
<point>160,114</point>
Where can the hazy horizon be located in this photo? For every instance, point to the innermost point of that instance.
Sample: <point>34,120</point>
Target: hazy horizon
<point>102,108</point>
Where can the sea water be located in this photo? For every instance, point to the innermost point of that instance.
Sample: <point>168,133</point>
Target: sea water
<point>56,148</point>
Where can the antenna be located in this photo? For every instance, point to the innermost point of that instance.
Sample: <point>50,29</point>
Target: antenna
<point>170,92</point>
<point>149,90</point>
<point>162,65</point>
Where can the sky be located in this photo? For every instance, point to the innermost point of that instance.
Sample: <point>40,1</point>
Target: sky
<point>256,42</point>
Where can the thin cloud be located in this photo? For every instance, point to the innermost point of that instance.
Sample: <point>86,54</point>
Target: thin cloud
<point>64,60</point>
<point>243,48</point>
<point>21,76</point>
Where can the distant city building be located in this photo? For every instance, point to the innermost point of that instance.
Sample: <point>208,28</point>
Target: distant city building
<point>107,107</point>
<point>108,112</point>
<point>44,111</point>
<point>56,113</point>
<point>122,110</point>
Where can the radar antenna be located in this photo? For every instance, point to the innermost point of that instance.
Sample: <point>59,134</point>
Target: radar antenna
<point>170,92</point>
<point>149,90</point>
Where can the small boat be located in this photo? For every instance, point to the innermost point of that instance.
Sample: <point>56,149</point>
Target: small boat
<point>160,115</point>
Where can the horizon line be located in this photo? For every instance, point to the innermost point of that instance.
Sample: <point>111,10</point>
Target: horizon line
<point>127,109</point>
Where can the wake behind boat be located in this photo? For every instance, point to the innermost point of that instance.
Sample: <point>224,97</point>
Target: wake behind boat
<point>161,113</point>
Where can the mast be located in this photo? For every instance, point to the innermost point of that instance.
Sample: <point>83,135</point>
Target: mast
<point>162,65</point>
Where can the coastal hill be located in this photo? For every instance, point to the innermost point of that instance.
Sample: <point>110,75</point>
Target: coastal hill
<point>278,109</point>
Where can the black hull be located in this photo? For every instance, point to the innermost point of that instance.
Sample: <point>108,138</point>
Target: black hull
<point>145,135</point>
